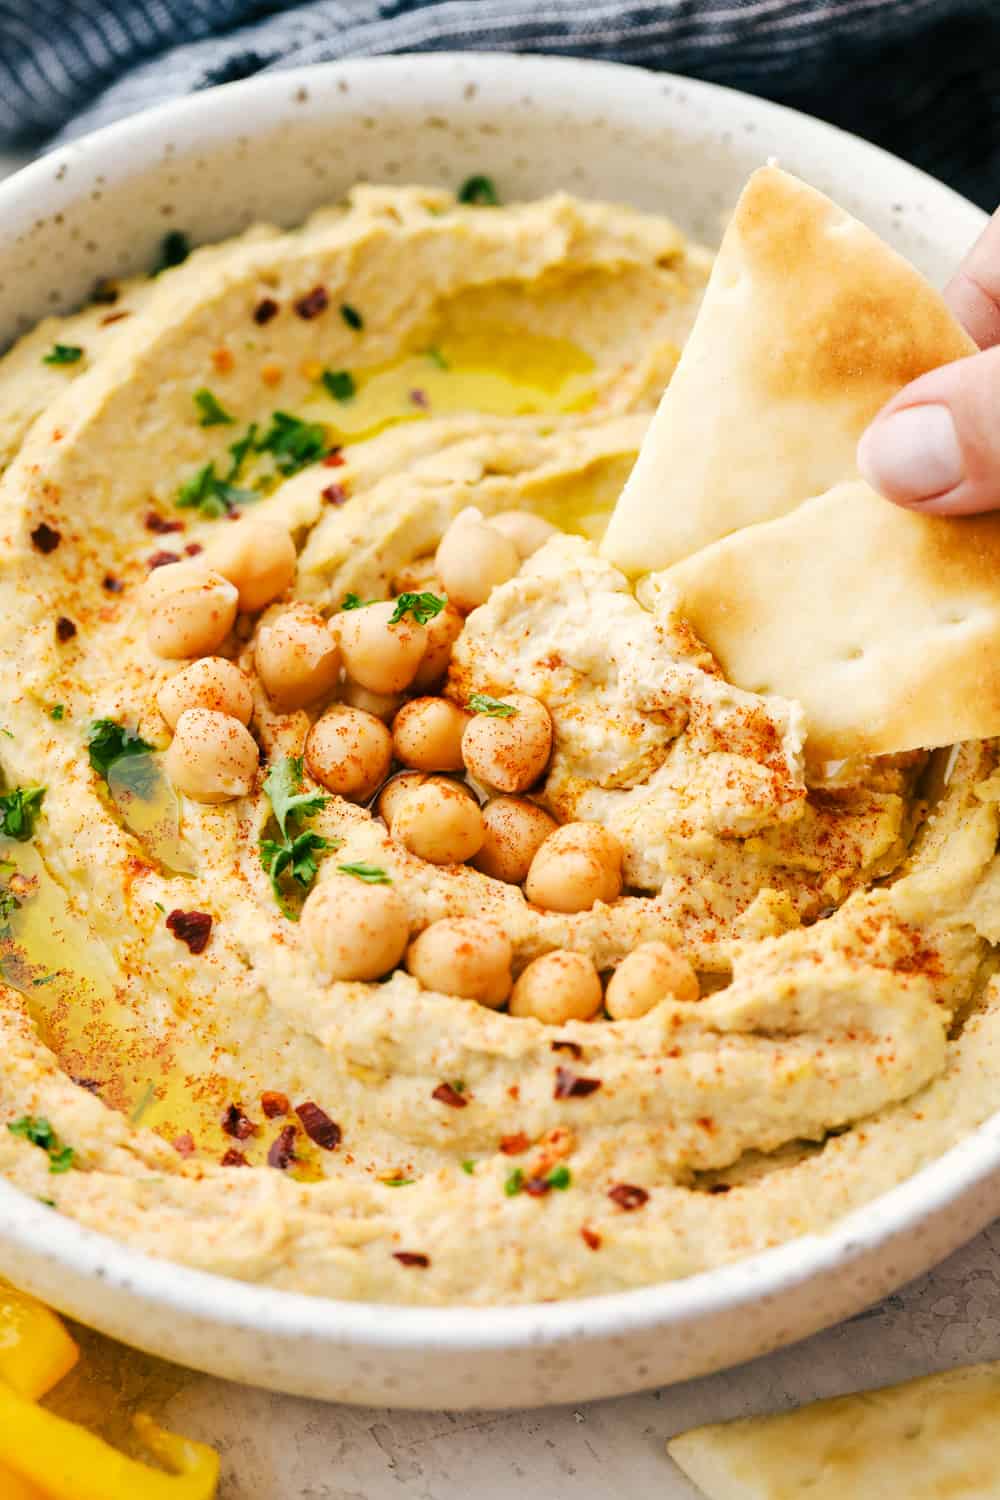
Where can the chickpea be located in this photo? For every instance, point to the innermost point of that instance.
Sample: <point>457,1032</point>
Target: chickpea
<point>473,559</point>
<point>509,753</point>
<point>213,682</point>
<point>514,830</point>
<point>349,752</point>
<point>463,956</point>
<point>427,734</point>
<point>560,986</point>
<point>397,787</point>
<point>297,658</point>
<point>258,557</point>
<point>650,973</point>
<point>355,930</point>
<point>212,757</point>
<point>439,823</point>
<point>190,609</point>
<point>381,657</point>
<point>577,865</point>
<point>442,633</point>
<point>384,706</point>
<point>525,529</point>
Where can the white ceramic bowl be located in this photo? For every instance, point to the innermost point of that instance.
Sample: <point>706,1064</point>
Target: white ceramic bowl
<point>274,148</point>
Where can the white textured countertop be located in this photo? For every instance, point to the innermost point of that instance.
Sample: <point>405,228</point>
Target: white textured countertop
<point>280,1448</point>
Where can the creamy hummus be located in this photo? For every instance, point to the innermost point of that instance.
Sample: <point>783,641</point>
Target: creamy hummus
<point>175,1066</point>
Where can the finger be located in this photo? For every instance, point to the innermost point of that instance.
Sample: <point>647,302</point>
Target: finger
<point>936,446</point>
<point>973,293</point>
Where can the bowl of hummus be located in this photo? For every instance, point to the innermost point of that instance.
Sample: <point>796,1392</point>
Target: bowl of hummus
<point>423,977</point>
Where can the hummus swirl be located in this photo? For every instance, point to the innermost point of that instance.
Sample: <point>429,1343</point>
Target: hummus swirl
<point>229,1107</point>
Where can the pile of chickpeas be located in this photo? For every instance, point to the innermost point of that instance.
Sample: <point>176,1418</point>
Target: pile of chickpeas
<point>388,711</point>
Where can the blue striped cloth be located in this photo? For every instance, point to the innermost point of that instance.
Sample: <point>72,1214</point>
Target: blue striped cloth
<point>921,77</point>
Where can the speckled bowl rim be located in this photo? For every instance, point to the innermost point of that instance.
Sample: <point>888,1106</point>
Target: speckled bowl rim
<point>226,1302</point>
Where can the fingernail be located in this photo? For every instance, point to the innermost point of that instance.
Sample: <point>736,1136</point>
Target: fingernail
<point>913,454</point>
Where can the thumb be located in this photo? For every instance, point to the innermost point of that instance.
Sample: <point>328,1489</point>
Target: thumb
<point>936,446</point>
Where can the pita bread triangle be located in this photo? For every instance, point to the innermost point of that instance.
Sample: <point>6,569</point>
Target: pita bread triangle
<point>884,624</point>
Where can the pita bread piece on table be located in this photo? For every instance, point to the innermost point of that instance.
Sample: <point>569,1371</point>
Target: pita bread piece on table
<point>808,325</point>
<point>937,1438</point>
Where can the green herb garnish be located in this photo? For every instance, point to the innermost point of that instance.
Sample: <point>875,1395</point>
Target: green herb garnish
<point>397,1181</point>
<point>63,354</point>
<point>422,607</point>
<point>479,189</point>
<point>482,703</point>
<point>468,1167</point>
<point>559,1177</point>
<point>239,451</point>
<point>57,712</point>
<point>175,248</point>
<point>18,811</point>
<point>148,1095</point>
<point>436,357</point>
<point>371,874</point>
<point>296,855</point>
<point>109,741</point>
<point>213,496</point>
<point>351,316</point>
<point>283,784</point>
<point>293,443</point>
<point>340,384</point>
<point>38,1130</point>
<point>354,601</point>
<point>8,905</point>
<point>212,414</point>
<point>514,1183</point>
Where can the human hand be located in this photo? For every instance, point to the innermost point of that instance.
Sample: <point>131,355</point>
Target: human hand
<point>935,447</point>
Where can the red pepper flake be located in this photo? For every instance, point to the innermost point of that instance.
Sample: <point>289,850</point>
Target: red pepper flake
<point>160,524</point>
<point>313,303</point>
<point>536,1186</point>
<point>282,1150</point>
<point>513,1145</point>
<point>563,1044</point>
<point>192,549</point>
<point>274,1104</point>
<point>237,1124</point>
<point>720,1187</point>
<point>419,399</point>
<point>571,1086</point>
<point>411,1258</point>
<point>590,1238</point>
<point>334,459</point>
<point>162,559</point>
<point>318,1126</point>
<point>445,1094</point>
<point>115,317</point>
<point>184,1144</point>
<point>233,1158</point>
<point>265,310</point>
<point>334,494</point>
<point>191,927</point>
<point>628,1196</point>
<point>112,585</point>
<point>65,629</point>
<point>45,538</point>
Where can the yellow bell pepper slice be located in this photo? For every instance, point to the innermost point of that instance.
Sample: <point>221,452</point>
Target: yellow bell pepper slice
<point>68,1463</point>
<point>35,1349</point>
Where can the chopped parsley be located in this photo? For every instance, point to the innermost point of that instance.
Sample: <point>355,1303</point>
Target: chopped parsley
<point>371,874</point>
<point>397,1181</point>
<point>559,1178</point>
<point>63,354</point>
<point>57,712</point>
<point>482,703</point>
<point>7,733</point>
<point>351,316</point>
<point>205,491</point>
<point>468,1167</point>
<point>514,1183</point>
<point>437,358</point>
<point>212,414</point>
<point>8,905</point>
<point>354,601</point>
<point>38,1130</point>
<point>422,607</point>
<point>239,450</point>
<point>340,384</point>
<point>293,443</point>
<point>18,811</point>
<point>480,190</point>
<point>283,784</point>
<point>175,248</point>
<point>109,741</point>
<point>148,1095</point>
<point>295,852</point>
